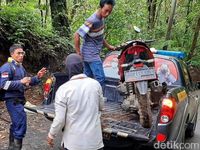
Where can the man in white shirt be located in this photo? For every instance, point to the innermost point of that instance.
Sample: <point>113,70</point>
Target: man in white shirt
<point>78,105</point>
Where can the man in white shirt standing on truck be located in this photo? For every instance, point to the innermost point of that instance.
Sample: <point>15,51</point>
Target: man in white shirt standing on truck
<point>78,105</point>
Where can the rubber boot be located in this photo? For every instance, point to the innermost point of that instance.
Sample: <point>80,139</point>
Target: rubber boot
<point>11,141</point>
<point>17,144</point>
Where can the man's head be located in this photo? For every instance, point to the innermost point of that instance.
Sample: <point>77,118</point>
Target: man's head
<point>106,7</point>
<point>74,65</point>
<point>17,53</point>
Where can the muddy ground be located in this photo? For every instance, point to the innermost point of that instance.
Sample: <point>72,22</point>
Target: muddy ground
<point>38,125</point>
<point>37,129</point>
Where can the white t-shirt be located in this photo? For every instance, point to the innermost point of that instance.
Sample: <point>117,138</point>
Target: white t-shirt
<point>78,104</point>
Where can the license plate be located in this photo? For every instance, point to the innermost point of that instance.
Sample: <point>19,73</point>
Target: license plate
<point>140,74</point>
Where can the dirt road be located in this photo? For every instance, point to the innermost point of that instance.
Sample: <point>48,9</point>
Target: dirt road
<point>36,135</point>
<point>37,128</point>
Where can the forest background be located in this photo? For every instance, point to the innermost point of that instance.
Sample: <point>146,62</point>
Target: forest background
<point>46,27</point>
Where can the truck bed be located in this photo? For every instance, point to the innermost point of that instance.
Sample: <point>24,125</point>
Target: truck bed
<point>123,123</point>
<point>115,120</point>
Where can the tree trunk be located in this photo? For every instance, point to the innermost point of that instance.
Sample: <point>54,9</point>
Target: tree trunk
<point>189,9</point>
<point>188,22</point>
<point>158,13</point>
<point>60,21</point>
<point>46,12</point>
<point>75,5</point>
<point>195,38</point>
<point>8,1</point>
<point>170,22</point>
<point>152,12</point>
<point>41,13</point>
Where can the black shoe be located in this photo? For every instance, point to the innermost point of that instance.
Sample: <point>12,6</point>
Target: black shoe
<point>11,141</point>
<point>17,144</point>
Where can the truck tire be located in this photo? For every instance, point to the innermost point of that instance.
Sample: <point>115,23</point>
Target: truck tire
<point>191,128</point>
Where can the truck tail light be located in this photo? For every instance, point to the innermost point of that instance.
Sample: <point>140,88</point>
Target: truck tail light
<point>47,86</point>
<point>168,110</point>
<point>161,137</point>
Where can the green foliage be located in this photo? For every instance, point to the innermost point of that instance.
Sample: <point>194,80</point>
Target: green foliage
<point>24,17</point>
<point>21,23</point>
<point>119,25</point>
<point>82,13</point>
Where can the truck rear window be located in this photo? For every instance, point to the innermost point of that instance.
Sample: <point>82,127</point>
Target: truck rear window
<point>165,68</point>
<point>166,71</point>
<point>110,66</point>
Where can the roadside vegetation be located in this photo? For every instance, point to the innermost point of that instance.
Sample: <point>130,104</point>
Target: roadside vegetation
<point>46,27</point>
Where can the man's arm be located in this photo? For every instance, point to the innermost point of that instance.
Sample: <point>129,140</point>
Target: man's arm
<point>60,113</point>
<point>36,79</point>
<point>7,84</point>
<point>108,46</point>
<point>77,43</point>
<point>101,98</point>
<point>81,32</point>
<point>60,116</point>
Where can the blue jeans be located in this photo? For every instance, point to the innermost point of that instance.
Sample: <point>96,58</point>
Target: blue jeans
<point>95,70</point>
<point>18,119</point>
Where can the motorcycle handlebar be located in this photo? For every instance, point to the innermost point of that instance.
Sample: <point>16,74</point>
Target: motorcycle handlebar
<point>132,41</point>
<point>149,41</point>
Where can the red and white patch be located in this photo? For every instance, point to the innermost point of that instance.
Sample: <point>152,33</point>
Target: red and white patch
<point>4,75</point>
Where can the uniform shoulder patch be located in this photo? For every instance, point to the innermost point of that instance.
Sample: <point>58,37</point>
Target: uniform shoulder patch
<point>4,75</point>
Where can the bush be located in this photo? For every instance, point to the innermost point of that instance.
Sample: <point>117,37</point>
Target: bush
<point>43,46</point>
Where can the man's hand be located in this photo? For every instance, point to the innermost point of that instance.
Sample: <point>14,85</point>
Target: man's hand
<point>50,141</point>
<point>26,80</point>
<point>111,47</point>
<point>79,53</point>
<point>41,73</point>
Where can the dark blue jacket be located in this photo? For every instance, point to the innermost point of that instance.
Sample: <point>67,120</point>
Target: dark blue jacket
<point>11,74</point>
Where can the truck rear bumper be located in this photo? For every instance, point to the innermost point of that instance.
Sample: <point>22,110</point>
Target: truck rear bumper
<point>131,141</point>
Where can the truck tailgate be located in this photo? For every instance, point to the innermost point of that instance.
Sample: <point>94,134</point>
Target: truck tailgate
<point>46,110</point>
<point>117,122</point>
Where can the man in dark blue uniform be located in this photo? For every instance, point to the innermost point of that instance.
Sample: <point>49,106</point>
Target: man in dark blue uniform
<point>14,81</point>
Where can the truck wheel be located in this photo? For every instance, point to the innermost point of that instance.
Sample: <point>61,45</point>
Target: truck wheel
<point>191,128</point>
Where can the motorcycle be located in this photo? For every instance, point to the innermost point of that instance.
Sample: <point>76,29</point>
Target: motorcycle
<point>137,75</point>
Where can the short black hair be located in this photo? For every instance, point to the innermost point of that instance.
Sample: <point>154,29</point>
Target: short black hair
<point>14,47</point>
<point>103,2</point>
